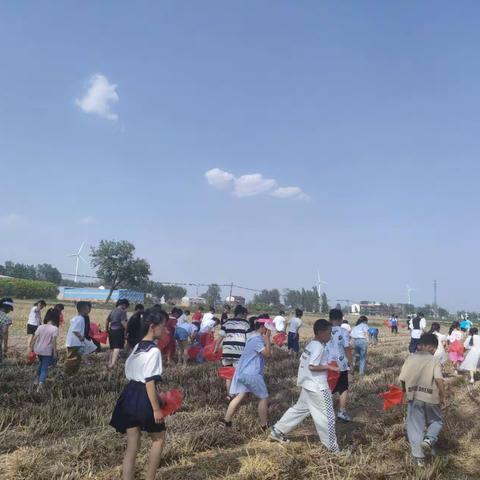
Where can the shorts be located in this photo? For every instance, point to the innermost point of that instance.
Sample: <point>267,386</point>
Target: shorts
<point>342,383</point>
<point>181,335</point>
<point>116,338</point>
<point>249,384</point>
<point>293,343</point>
<point>230,362</point>
<point>31,329</point>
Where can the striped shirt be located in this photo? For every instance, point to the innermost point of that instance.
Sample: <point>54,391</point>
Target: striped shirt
<point>234,332</point>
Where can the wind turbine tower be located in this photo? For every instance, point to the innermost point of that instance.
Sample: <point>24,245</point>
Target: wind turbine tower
<point>78,257</point>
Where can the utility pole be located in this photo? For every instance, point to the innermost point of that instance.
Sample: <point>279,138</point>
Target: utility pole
<point>435,305</point>
<point>230,296</point>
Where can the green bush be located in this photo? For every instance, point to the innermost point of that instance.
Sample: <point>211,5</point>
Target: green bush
<point>20,288</point>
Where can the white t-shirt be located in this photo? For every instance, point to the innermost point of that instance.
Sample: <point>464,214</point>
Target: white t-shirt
<point>441,338</point>
<point>336,347</point>
<point>279,323</point>
<point>181,319</point>
<point>207,317</point>
<point>417,332</point>
<point>359,331</point>
<point>295,324</point>
<point>455,335</point>
<point>207,326</point>
<point>34,317</point>
<point>77,324</point>
<point>315,353</point>
<point>347,327</point>
<point>144,363</point>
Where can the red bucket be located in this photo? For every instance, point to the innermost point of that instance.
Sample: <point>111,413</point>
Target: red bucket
<point>171,401</point>
<point>393,396</point>
<point>32,356</point>
<point>332,377</point>
<point>210,355</point>
<point>279,338</point>
<point>226,372</point>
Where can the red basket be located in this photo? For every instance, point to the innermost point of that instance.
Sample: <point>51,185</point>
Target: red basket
<point>171,401</point>
<point>32,356</point>
<point>206,338</point>
<point>393,396</point>
<point>226,372</point>
<point>193,351</point>
<point>210,355</point>
<point>332,377</point>
<point>279,338</point>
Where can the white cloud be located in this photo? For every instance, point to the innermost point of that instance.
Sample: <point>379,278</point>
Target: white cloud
<point>12,220</point>
<point>289,192</point>
<point>88,220</point>
<point>219,178</point>
<point>99,98</point>
<point>252,184</point>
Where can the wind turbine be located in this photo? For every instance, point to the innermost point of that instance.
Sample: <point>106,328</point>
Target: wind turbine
<point>409,291</point>
<point>79,257</point>
<point>319,285</point>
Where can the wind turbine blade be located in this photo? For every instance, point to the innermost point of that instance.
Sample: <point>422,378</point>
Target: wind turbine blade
<point>73,255</point>
<point>81,247</point>
<point>83,259</point>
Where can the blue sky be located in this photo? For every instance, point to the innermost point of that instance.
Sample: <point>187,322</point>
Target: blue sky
<point>370,109</point>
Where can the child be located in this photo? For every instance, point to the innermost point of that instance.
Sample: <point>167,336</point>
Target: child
<point>455,350</point>
<point>248,376</point>
<point>359,336</point>
<point>184,333</point>
<point>75,341</point>
<point>44,344</point>
<point>422,381</point>
<point>346,325</point>
<point>373,335</point>
<point>34,320</point>
<point>394,324</point>
<point>134,326</point>
<point>293,335</point>
<point>315,397</point>
<point>138,408</point>
<point>442,340</point>
<point>6,306</point>
<point>340,351</point>
<point>472,344</point>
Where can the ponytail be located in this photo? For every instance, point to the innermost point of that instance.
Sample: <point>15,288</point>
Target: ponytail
<point>473,331</point>
<point>435,327</point>
<point>152,316</point>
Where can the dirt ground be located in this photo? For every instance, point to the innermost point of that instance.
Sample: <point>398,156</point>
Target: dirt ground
<point>63,432</point>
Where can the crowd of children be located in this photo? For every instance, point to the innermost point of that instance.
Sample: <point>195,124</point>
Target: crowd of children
<point>244,345</point>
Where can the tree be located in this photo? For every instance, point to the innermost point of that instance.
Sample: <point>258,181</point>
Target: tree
<point>49,273</point>
<point>19,270</point>
<point>324,303</point>
<point>213,294</point>
<point>170,292</point>
<point>116,265</point>
<point>267,297</point>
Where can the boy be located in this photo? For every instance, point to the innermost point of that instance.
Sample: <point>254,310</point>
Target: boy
<point>280,322</point>
<point>315,397</point>
<point>341,352</point>
<point>76,338</point>
<point>293,335</point>
<point>6,306</point>
<point>422,381</point>
<point>116,326</point>
<point>394,324</point>
<point>417,325</point>
<point>373,335</point>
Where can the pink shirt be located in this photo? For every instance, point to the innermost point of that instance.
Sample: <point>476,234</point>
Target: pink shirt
<point>44,339</point>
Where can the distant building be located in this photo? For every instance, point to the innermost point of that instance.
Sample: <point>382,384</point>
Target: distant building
<point>98,294</point>
<point>376,309</point>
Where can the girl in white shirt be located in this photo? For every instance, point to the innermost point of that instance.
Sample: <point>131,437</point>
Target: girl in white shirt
<point>34,320</point>
<point>442,341</point>
<point>138,408</point>
<point>472,344</point>
<point>359,335</point>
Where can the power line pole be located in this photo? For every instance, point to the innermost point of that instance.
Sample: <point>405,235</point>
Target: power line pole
<point>435,305</point>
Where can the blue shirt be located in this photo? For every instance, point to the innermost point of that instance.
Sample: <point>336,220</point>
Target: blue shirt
<point>252,361</point>
<point>373,331</point>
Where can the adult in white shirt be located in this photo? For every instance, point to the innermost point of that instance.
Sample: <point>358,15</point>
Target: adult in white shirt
<point>360,343</point>
<point>280,322</point>
<point>207,317</point>
<point>76,338</point>
<point>315,397</point>
<point>293,333</point>
<point>417,326</point>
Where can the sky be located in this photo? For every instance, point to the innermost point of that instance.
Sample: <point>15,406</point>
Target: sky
<point>255,142</point>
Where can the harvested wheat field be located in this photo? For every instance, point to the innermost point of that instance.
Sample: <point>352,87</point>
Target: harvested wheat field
<point>63,432</point>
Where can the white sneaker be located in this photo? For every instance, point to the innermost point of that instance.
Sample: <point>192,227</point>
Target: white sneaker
<point>472,381</point>
<point>343,416</point>
<point>279,437</point>
<point>427,445</point>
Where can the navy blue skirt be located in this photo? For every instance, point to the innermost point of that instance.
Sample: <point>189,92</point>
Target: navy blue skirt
<point>133,409</point>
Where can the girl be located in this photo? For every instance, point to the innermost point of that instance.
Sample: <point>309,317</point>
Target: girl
<point>472,344</point>
<point>248,376</point>
<point>44,344</point>
<point>455,348</point>
<point>138,408</point>
<point>6,306</point>
<point>359,335</point>
<point>442,340</point>
<point>34,320</point>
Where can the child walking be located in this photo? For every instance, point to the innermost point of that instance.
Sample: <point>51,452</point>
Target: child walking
<point>315,397</point>
<point>6,307</point>
<point>442,340</point>
<point>455,348</point>
<point>248,376</point>
<point>472,344</point>
<point>44,344</point>
<point>293,333</point>
<point>75,341</point>
<point>138,408</point>
<point>422,381</point>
